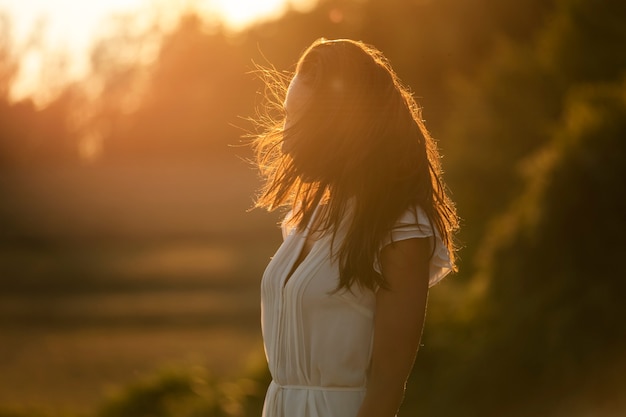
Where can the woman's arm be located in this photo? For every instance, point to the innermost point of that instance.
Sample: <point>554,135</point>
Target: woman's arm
<point>398,323</point>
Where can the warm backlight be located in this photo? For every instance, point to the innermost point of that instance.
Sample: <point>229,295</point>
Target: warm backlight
<point>43,30</point>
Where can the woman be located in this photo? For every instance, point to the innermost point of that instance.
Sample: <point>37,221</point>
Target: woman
<point>369,230</point>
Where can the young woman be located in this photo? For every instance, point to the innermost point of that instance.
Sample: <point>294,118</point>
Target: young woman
<point>369,230</point>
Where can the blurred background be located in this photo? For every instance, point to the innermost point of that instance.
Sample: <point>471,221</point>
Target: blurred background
<point>130,265</point>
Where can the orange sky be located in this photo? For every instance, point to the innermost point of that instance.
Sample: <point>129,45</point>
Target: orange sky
<point>68,27</point>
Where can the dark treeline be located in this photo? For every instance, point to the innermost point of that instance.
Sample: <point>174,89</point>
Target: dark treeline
<point>528,101</point>
<point>201,81</point>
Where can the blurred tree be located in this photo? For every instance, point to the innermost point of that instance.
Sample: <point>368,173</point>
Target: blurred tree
<point>529,87</point>
<point>425,40</point>
<point>188,393</point>
<point>538,135</point>
<point>30,135</point>
<point>553,263</point>
<point>120,60</point>
<point>187,100</point>
<point>507,110</point>
<point>192,97</point>
<point>584,41</point>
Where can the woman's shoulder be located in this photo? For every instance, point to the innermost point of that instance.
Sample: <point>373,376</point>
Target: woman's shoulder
<point>414,223</point>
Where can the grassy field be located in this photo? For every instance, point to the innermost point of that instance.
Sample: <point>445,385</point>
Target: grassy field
<point>110,273</point>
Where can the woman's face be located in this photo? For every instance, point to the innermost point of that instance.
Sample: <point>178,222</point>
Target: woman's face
<point>298,94</point>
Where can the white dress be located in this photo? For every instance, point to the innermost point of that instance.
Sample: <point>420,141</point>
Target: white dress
<point>318,342</point>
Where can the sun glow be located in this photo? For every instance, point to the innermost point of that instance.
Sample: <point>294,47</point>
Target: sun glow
<point>49,38</point>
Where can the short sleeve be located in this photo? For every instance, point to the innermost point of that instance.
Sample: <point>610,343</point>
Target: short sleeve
<point>414,223</point>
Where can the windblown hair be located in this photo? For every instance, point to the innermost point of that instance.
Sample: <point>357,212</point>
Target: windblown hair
<point>360,147</point>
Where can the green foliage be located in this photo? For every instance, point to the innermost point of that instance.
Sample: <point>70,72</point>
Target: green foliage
<point>528,100</point>
<point>507,110</point>
<point>497,118</point>
<point>155,397</point>
<point>186,393</point>
<point>554,265</point>
<point>584,41</point>
<point>536,157</point>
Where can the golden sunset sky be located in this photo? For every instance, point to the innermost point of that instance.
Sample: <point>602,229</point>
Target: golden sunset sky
<point>46,33</point>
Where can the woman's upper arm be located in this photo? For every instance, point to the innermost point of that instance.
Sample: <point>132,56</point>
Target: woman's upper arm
<point>398,323</point>
<point>401,308</point>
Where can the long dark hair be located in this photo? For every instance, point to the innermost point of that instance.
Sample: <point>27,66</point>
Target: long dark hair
<point>360,147</point>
